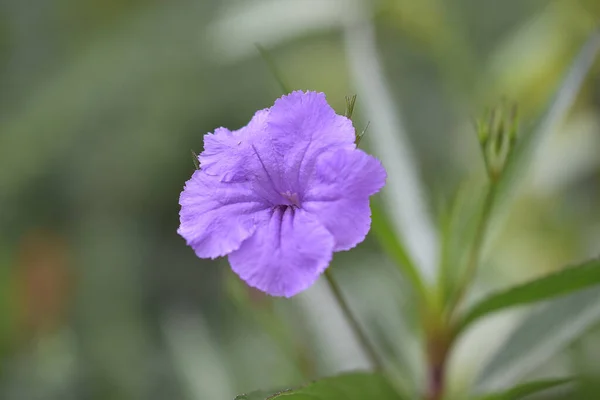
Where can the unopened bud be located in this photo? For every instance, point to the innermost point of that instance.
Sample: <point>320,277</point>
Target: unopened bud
<point>350,102</point>
<point>497,134</point>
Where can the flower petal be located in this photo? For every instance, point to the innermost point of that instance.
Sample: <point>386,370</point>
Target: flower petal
<point>302,117</point>
<point>228,154</point>
<point>216,217</point>
<point>339,191</point>
<point>348,220</point>
<point>301,126</point>
<point>286,255</point>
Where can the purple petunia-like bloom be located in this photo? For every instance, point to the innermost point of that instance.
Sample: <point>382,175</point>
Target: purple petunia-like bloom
<point>281,194</point>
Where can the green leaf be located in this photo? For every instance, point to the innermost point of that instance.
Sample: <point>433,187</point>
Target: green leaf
<point>261,395</point>
<point>195,160</point>
<point>352,386</point>
<point>526,389</point>
<point>557,108</point>
<point>553,285</point>
<point>403,195</point>
<point>539,336</point>
<point>391,244</point>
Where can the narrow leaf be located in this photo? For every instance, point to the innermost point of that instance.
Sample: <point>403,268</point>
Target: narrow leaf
<point>352,386</point>
<point>403,195</point>
<point>195,160</point>
<point>360,136</point>
<point>553,285</point>
<point>393,247</point>
<point>526,389</point>
<point>540,336</point>
<point>261,395</point>
<point>350,103</point>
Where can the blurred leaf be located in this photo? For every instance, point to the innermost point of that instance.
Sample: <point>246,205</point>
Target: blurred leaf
<point>553,285</point>
<point>538,337</point>
<point>555,112</point>
<point>393,246</point>
<point>196,357</point>
<point>8,308</point>
<point>260,395</point>
<point>353,386</point>
<point>97,85</point>
<point>403,194</point>
<point>271,22</point>
<point>526,389</point>
<point>259,309</point>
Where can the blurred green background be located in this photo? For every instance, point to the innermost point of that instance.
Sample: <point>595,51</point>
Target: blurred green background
<point>101,103</point>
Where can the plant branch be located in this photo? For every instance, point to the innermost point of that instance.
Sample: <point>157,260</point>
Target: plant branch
<point>358,331</point>
<point>437,350</point>
<point>476,248</point>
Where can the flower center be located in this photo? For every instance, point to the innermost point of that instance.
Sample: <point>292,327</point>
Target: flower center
<point>292,198</point>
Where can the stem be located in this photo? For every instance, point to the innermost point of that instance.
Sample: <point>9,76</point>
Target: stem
<point>476,248</point>
<point>360,334</point>
<point>438,341</point>
<point>438,355</point>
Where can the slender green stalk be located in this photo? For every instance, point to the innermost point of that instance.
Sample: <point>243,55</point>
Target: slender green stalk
<point>476,248</point>
<point>438,324</point>
<point>273,68</point>
<point>358,331</point>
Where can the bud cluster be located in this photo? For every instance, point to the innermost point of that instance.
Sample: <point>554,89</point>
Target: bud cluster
<point>497,134</point>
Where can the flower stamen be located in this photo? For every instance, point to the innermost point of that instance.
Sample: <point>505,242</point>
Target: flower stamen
<point>292,198</point>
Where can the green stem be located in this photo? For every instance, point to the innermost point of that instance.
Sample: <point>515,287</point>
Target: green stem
<point>437,360</point>
<point>273,68</point>
<point>358,331</point>
<point>476,248</point>
<point>438,342</point>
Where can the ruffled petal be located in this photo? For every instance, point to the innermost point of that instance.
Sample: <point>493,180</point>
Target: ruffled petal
<point>229,155</point>
<point>348,220</point>
<point>300,127</point>
<point>216,217</point>
<point>306,117</point>
<point>338,194</point>
<point>286,255</point>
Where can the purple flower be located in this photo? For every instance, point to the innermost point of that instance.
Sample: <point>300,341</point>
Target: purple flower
<point>281,194</point>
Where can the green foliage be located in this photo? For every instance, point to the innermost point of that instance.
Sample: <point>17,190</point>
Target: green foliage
<point>260,395</point>
<point>526,389</point>
<point>102,101</point>
<point>403,193</point>
<point>458,226</point>
<point>394,248</point>
<point>553,285</point>
<point>506,158</point>
<point>8,309</point>
<point>539,336</point>
<point>352,386</point>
